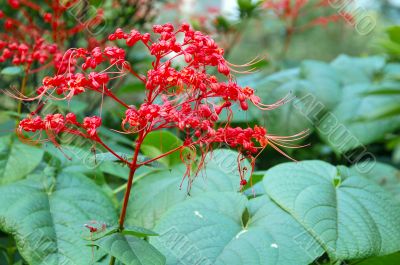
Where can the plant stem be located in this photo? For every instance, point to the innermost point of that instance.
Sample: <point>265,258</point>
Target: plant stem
<point>126,198</point>
<point>112,260</point>
<point>288,41</point>
<point>132,170</point>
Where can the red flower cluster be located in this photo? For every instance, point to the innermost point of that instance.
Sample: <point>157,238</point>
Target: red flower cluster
<point>97,56</point>
<point>245,138</point>
<point>24,40</point>
<point>70,85</point>
<point>22,54</point>
<point>131,38</point>
<point>186,97</point>
<point>57,123</point>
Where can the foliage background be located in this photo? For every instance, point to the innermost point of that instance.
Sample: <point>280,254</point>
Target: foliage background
<point>355,77</point>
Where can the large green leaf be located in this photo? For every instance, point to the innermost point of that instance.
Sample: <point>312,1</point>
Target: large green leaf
<point>292,117</point>
<point>354,70</point>
<point>17,159</point>
<point>130,250</point>
<point>154,194</point>
<point>348,126</point>
<point>351,101</point>
<point>317,88</point>
<point>47,217</point>
<point>348,215</point>
<point>382,174</point>
<point>324,82</point>
<point>209,229</point>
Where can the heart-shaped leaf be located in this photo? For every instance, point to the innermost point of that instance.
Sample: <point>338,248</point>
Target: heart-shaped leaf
<point>154,194</point>
<point>130,250</point>
<point>348,126</point>
<point>386,176</point>
<point>17,159</point>
<point>209,229</point>
<point>350,216</point>
<point>47,217</point>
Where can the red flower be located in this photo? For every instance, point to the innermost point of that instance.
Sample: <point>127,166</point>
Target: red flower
<point>188,98</point>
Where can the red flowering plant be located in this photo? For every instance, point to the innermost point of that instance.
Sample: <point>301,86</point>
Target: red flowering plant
<point>181,92</point>
<point>317,12</point>
<point>35,36</point>
<point>35,33</point>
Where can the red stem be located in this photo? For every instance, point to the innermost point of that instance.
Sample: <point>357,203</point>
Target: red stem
<point>111,95</point>
<point>133,168</point>
<point>141,78</point>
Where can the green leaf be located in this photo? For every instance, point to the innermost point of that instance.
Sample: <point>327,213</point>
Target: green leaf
<point>103,233</point>
<point>386,176</point>
<point>384,92</point>
<point>17,159</point>
<point>325,82</point>
<point>107,156</point>
<point>388,111</point>
<point>351,102</point>
<point>247,7</point>
<point>138,231</point>
<point>130,250</point>
<point>128,230</point>
<point>255,187</point>
<point>394,33</point>
<point>211,227</point>
<point>352,220</point>
<point>292,117</point>
<point>390,47</point>
<point>115,137</point>
<point>245,4</point>
<point>354,70</point>
<point>72,159</point>
<point>317,88</point>
<point>115,169</point>
<point>392,259</point>
<point>392,72</point>
<point>347,126</point>
<point>159,142</point>
<point>12,70</point>
<point>47,217</point>
<point>154,194</point>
